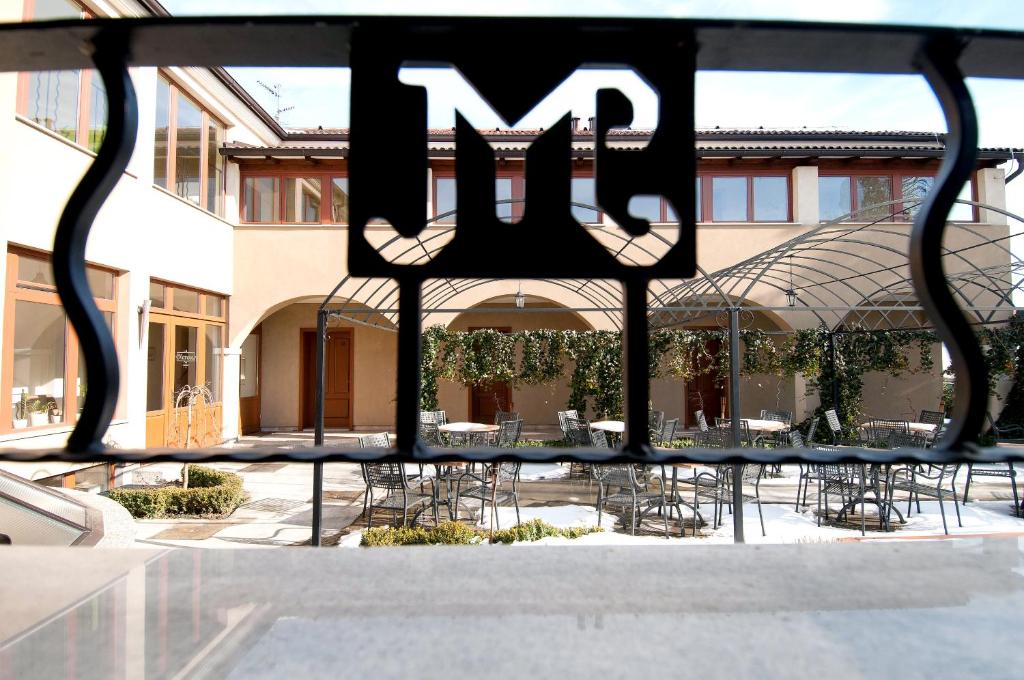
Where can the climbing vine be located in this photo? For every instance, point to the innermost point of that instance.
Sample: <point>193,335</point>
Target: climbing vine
<point>592,360</point>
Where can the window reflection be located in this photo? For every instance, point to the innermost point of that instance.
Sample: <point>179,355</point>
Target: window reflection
<point>260,199</point>
<point>339,200</point>
<point>583,192</point>
<point>302,199</point>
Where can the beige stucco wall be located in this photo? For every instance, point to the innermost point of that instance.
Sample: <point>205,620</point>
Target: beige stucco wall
<point>373,370</point>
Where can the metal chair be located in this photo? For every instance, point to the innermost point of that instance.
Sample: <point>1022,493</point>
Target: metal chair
<point>398,495</point>
<point>655,420</point>
<point>488,487</point>
<point>509,432</point>
<point>578,431</point>
<point>832,418</point>
<point>751,474</point>
<point>709,485</point>
<point>932,417</point>
<point>702,422</point>
<point>812,431</point>
<point>835,480</point>
<point>599,440</point>
<point>880,430</point>
<point>563,416</point>
<point>501,416</point>
<point>436,417</point>
<point>994,470</point>
<point>430,434</point>
<point>778,416</point>
<point>938,482</point>
<point>667,432</point>
<point>629,493</point>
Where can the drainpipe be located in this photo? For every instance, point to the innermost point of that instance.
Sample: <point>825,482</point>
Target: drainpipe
<point>734,419</point>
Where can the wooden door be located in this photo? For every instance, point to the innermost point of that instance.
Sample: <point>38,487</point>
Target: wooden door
<point>487,399</point>
<point>338,393</point>
<point>249,409</point>
<point>705,392</point>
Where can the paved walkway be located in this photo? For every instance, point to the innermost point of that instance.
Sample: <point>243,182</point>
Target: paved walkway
<point>279,511</point>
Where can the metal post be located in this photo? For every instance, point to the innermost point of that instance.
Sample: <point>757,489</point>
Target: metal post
<point>734,419</point>
<point>408,396</point>
<point>318,425</point>
<point>635,367</point>
<point>835,369</point>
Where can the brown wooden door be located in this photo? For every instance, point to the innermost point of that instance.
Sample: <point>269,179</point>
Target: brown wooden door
<point>337,378</point>
<point>487,399</point>
<point>705,392</point>
<point>249,405</point>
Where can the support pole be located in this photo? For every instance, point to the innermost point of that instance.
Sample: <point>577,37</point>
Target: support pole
<point>318,425</point>
<point>635,366</point>
<point>408,395</point>
<point>734,419</point>
<point>832,357</point>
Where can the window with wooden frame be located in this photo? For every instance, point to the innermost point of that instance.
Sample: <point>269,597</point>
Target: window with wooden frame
<point>43,373</point>
<point>508,192</point>
<point>72,104</point>
<point>844,192</point>
<point>186,157</point>
<point>745,197</point>
<point>293,197</point>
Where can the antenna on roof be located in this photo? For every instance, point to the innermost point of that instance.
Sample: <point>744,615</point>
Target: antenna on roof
<point>275,92</point>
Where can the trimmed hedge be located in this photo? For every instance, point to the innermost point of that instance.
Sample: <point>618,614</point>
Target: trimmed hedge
<point>210,492</point>
<point>455,533</point>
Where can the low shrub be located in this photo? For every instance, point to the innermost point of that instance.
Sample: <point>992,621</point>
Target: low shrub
<point>210,492</point>
<point>456,533</point>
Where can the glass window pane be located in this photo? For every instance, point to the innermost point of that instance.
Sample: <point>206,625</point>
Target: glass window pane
<point>155,400</point>
<point>260,199</point>
<point>214,168</point>
<point>961,212</point>
<point>833,197</point>
<point>503,192</point>
<point>914,191</point>
<point>444,198</point>
<point>339,200</point>
<point>83,380</point>
<point>163,118</point>
<point>583,192</point>
<point>185,354</point>
<point>157,295</point>
<point>38,356</point>
<point>302,199</point>
<point>771,199</point>
<point>214,305</point>
<point>101,283</point>
<point>249,371</point>
<point>670,213</point>
<point>97,112</point>
<point>729,199</point>
<point>35,270</point>
<point>214,358</point>
<point>186,301</point>
<point>871,191</point>
<point>187,178</point>
<point>53,101</point>
<point>646,207</point>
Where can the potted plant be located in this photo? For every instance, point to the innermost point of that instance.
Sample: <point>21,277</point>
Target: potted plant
<point>21,412</point>
<point>56,415</point>
<point>39,411</point>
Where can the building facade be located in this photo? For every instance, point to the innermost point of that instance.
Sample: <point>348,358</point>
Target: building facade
<point>226,232</point>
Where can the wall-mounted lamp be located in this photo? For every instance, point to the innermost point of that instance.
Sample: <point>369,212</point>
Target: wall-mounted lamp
<point>791,292</point>
<point>520,298</point>
<point>143,320</point>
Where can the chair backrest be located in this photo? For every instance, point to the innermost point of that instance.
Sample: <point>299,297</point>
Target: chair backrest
<point>702,422</point>
<point>380,440</point>
<point>437,417</point>
<point>578,430</point>
<point>655,419</point>
<point>385,475</point>
<point>726,424</point>
<point>796,440</point>
<point>812,430</point>
<point>599,440</point>
<point>778,416</point>
<point>907,440</point>
<point>713,439</point>
<point>508,471</point>
<point>622,475</point>
<point>833,421</point>
<point>562,416</point>
<point>509,432</point>
<point>501,416</point>
<point>430,434</point>
<point>668,431</point>
<point>932,417</point>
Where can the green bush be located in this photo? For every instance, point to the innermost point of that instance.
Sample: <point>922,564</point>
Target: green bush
<point>456,533</point>
<point>210,492</point>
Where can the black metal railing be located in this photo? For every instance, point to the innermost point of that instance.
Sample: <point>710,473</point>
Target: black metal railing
<point>514,62</point>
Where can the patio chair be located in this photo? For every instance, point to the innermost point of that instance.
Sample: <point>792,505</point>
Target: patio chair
<point>879,431</point>
<point>702,422</point>
<point>939,482</point>
<point>833,480</point>
<point>599,440</point>
<point>579,431</point>
<point>490,488</point>
<point>932,417</point>
<point>710,485</point>
<point>832,418</point>
<point>746,437</point>
<point>562,417</point>
<point>779,416</point>
<point>436,417</point>
<point>1004,433</point>
<point>655,420</point>
<point>630,493</point>
<point>812,431</point>
<point>398,495</point>
<point>509,432</point>
<point>993,470</point>
<point>751,474</point>
<point>502,416</point>
<point>667,433</point>
<point>430,434</point>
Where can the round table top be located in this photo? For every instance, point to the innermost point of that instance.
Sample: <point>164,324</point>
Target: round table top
<point>925,428</point>
<point>468,427</point>
<point>609,426</point>
<point>766,425</point>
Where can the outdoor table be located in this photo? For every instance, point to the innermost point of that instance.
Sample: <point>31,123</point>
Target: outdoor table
<point>917,428</point>
<point>613,426</point>
<point>463,432</point>
<point>878,474</point>
<point>766,425</point>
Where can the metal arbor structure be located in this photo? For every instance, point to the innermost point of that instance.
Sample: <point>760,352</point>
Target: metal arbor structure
<point>388,123</point>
